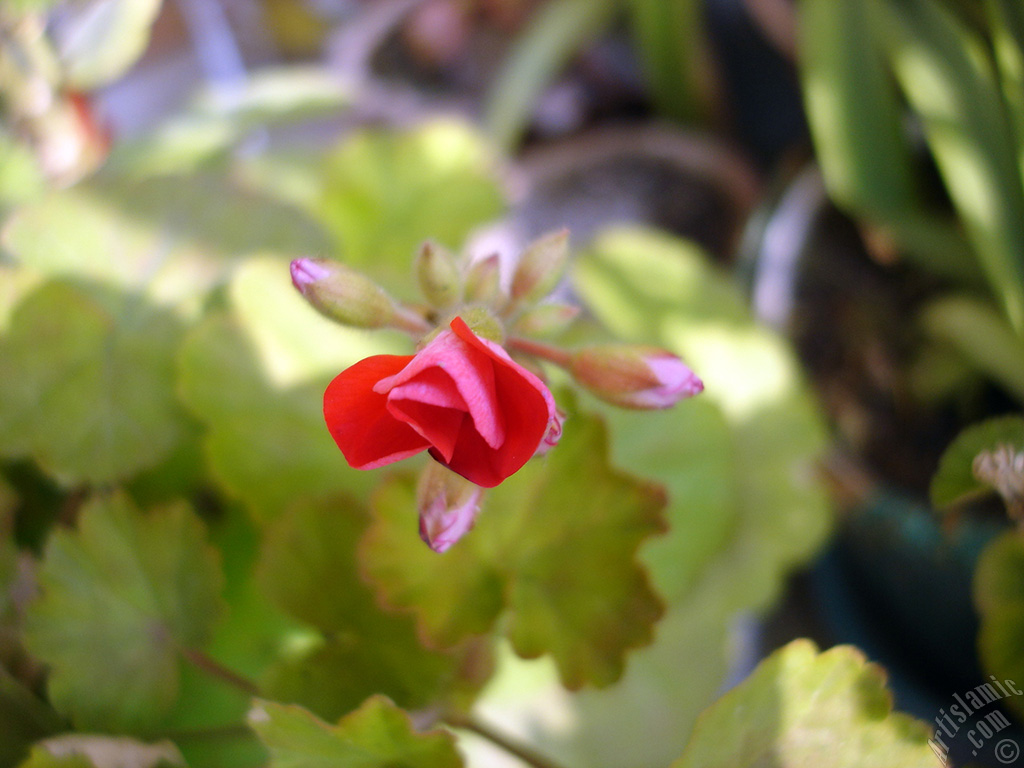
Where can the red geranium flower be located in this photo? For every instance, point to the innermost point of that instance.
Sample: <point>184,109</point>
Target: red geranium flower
<point>461,397</point>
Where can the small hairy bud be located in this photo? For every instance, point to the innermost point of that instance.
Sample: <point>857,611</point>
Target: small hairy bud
<point>439,275</point>
<point>348,296</point>
<point>541,267</point>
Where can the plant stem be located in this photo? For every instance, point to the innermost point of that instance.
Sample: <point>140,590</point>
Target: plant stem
<point>544,351</point>
<point>217,670</point>
<point>524,753</point>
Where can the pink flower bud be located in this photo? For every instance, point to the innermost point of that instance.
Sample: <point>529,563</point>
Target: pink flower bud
<point>348,296</point>
<point>633,376</point>
<point>448,506</point>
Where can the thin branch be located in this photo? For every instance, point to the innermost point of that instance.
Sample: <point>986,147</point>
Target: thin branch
<point>523,752</point>
<point>544,351</point>
<point>217,670</point>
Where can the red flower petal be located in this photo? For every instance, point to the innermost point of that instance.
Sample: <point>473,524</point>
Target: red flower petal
<point>358,418</point>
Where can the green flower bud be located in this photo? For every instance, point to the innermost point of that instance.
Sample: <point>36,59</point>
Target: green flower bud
<point>541,267</point>
<point>483,282</point>
<point>439,275</point>
<point>350,297</point>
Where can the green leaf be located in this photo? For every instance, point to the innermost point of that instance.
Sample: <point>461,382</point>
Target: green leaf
<point>948,78</point>
<point>88,751</point>
<point>273,355</point>
<point>554,550</point>
<point>954,480</point>
<point>308,569</point>
<point>857,123</point>
<point>670,41</point>
<point>804,708</point>
<point>558,31</point>
<point>1006,20</point>
<point>377,735</point>
<point>210,715</point>
<point>999,598</point>
<point>853,110</point>
<point>86,383</point>
<point>982,336</point>
<point>171,239</point>
<point>120,597</point>
<point>386,193</point>
<point>102,39</point>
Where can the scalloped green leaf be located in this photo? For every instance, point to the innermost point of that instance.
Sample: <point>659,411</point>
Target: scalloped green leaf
<point>120,598</point>
<point>387,192</point>
<point>804,709</point>
<point>86,383</point>
<point>308,569</point>
<point>377,735</point>
<point>271,354</point>
<point>554,551</point>
<point>954,479</point>
<point>999,598</point>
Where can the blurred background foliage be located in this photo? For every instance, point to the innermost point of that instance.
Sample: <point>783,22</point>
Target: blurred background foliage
<point>187,566</point>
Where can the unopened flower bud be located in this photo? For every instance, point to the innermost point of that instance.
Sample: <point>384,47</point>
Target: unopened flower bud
<point>483,282</point>
<point>547,319</point>
<point>347,296</point>
<point>439,276</point>
<point>633,376</point>
<point>540,268</point>
<point>448,505</point>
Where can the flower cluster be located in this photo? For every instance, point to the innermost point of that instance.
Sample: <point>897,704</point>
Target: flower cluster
<point>473,396</point>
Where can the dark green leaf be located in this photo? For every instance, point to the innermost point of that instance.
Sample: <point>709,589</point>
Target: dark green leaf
<point>999,597</point>
<point>121,596</point>
<point>308,568</point>
<point>954,480</point>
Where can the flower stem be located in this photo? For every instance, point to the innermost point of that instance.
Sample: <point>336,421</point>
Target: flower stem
<point>524,753</point>
<point>544,351</point>
<point>217,670</point>
<point>410,321</point>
